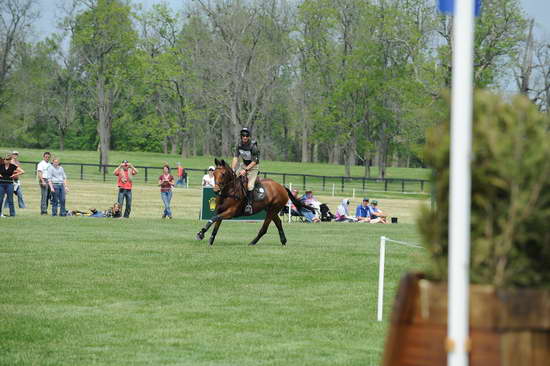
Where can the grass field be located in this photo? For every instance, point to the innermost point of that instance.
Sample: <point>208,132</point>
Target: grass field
<point>81,291</point>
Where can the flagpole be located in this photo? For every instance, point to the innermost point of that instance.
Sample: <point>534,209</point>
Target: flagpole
<point>460,184</point>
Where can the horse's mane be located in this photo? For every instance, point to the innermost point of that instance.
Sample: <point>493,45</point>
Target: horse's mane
<point>235,186</point>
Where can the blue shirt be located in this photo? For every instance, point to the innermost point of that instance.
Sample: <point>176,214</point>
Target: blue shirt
<point>362,211</point>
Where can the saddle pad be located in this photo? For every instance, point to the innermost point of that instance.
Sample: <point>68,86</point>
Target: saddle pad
<point>259,191</point>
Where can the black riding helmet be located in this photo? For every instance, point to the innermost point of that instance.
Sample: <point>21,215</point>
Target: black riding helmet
<point>245,131</point>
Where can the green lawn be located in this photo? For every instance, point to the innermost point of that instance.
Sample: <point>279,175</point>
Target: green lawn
<point>80,291</point>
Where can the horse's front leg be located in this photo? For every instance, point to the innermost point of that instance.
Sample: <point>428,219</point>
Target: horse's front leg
<point>215,231</point>
<point>214,219</point>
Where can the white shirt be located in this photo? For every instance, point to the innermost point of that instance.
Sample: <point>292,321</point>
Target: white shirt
<point>43,167</point>
<point>208,181</point>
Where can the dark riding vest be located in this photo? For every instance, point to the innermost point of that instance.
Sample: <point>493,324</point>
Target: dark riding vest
<point>248,152</point>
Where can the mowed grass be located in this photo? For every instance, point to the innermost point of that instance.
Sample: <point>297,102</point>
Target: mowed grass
<point>80,291</point>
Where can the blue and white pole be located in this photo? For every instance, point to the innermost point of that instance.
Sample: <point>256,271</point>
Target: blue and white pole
<point>460,179</point>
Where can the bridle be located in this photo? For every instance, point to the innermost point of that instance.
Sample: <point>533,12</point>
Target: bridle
<point>225,188</point>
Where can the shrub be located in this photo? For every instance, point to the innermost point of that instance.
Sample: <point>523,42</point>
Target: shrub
<point>510,212</point>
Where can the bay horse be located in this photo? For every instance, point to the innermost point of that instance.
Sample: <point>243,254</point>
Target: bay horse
<point>231,200</point>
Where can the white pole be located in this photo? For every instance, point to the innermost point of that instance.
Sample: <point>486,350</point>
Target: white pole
<point>353,193</point>
<point>332,189</point>
<point>290,204</point>
<point>381,277</point>
<point>460,184</point>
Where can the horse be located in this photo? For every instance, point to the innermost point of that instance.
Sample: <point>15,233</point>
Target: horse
<point>231,190</point>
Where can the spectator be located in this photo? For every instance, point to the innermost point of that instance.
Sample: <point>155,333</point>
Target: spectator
<point>114,212</point>
<point>181,176</point>
<point>166,182</point>
<point>310,200</point>
<point>208,179</point>
<point>57,179</point>
<point>124,172</point>
<point>342,212</point>
<point>17,190</point>
<point>377,216</point>
<point>362,213</point>
<point>8,172</point>
<point>42,173</point>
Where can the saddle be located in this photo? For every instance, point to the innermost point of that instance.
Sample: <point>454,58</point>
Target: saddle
<point>259,190</point>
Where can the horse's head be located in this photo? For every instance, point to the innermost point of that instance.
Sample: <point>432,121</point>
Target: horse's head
<point>223,175</point>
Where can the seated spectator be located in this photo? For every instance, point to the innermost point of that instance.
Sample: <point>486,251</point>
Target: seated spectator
<point>362,213</point>
<point>311,201</point>
<point>376,214</point>
<point>342,212</point>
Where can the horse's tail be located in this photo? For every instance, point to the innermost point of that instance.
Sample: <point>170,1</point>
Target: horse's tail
<point>299,204</point>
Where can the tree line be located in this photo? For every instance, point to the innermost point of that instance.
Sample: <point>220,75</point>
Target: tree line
<point>340,81</point>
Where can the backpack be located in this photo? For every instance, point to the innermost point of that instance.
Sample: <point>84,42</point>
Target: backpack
<point>326,215</point>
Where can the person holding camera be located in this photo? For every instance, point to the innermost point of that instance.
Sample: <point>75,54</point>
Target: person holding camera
<point>124,172</point>
<point>166,182</point>
<point>8,172</point>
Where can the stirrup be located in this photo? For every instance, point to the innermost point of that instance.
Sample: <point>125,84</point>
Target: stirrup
<point>248,209</point>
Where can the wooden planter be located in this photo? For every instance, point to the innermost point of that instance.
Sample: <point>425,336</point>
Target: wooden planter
<point>507,327</point>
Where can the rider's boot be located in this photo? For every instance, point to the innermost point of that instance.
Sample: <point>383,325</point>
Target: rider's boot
<point>248,208</point>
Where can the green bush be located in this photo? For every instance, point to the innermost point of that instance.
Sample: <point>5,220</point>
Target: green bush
<point>510,212</point>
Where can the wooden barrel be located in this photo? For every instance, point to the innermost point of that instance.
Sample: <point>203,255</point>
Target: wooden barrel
<point>507,326</point>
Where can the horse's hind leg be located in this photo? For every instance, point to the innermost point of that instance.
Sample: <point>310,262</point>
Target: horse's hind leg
<point>263,230</point>
<point>277,221</point>
<point>200,234</point>
<point>214,232</point>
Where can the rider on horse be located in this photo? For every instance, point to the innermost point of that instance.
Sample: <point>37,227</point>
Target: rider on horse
<point>247,151</point>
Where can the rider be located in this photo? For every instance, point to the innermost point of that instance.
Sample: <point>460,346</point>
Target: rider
<point>247,150</point>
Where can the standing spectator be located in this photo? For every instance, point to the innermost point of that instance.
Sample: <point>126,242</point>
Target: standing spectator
<point>166,182</point>
<point>181,176</point>
<point>376,214</point>
<point>42,172</point>
<point>17,190</point>
<point>342,212</point>
<point>208,180</point>
<point>58,187</point>
<point>362,213</point>
<point>124,172</point>
<point>8,172</point>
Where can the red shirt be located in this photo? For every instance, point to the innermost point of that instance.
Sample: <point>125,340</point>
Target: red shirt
<point>180,171</point>
<point>124,178</point>
<point>166,186</point>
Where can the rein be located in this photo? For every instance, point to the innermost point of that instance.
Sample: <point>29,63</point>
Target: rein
<point>228,190</point>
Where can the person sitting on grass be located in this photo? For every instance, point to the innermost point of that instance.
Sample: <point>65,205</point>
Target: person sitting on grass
<point>342,212</point>
<point>362,213</point>
<point>377,215</point>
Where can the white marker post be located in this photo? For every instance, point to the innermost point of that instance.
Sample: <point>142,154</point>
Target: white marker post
<point>381,278</point>
<point>290,205</point>
<point>460,184</point>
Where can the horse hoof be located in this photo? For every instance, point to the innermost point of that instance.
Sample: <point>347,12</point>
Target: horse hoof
<point>283,244</point>
<point>199,236</point>
<point>251,244</point>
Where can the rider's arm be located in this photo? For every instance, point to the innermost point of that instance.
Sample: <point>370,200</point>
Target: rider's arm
<point>250,166</point>
<point>234,163</point>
